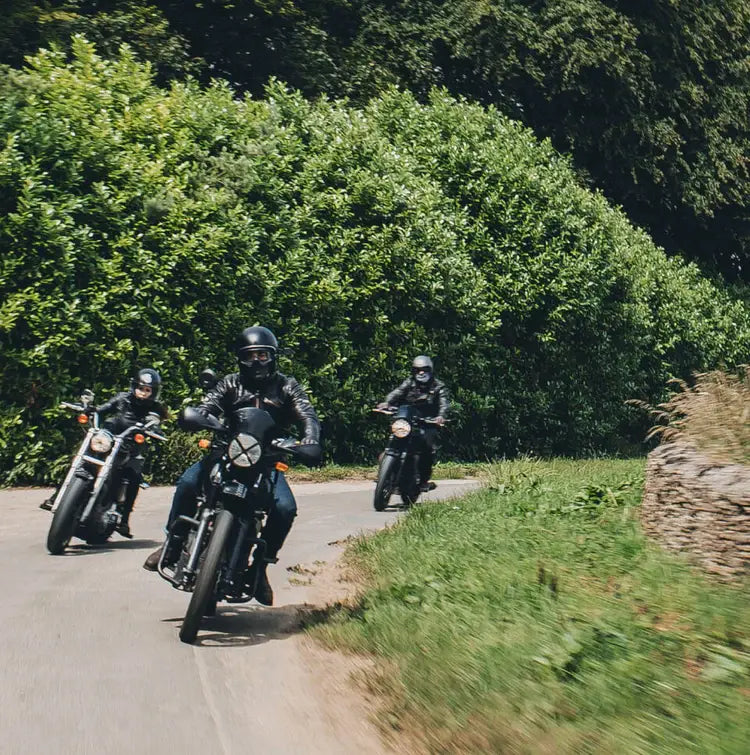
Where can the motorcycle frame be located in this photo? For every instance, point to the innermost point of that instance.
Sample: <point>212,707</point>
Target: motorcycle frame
<point>205,514</point>
<point>104,466</point>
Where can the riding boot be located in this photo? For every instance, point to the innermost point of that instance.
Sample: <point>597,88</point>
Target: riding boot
<point>425,472</point>
<point>263,592</point>
<point>170,557</point>
<point>123,528</point>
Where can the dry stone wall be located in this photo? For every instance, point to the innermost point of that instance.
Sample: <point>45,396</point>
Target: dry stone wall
<point>693,503</point>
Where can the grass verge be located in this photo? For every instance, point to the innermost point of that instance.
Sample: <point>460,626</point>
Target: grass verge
<point>447,470</point>
<point>534,616</point>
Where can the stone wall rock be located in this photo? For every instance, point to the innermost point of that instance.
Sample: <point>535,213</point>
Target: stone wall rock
<point>695,504</point>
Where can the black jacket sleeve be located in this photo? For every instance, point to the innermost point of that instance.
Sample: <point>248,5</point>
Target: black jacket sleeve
<point>213,401</point>
<point>444,401</point>
<point>397,395</point>
<point>302,409</point>
<point>113,405</point>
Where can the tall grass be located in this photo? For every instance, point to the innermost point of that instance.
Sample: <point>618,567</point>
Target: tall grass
<point>712,414</point>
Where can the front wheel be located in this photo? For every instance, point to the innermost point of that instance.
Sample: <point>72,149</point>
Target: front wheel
<point>67,515</point>
<point>205,584</point>
<point>408,484</point>
<point>386,482</point>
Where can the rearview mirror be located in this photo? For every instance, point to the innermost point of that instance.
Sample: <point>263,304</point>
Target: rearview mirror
<point>207,379</point>
<point>191,420</point>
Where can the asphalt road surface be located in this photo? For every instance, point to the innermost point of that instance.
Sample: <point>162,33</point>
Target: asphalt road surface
<point>91,662</point>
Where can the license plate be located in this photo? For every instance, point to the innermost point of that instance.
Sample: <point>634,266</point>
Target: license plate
<point>236,489</point>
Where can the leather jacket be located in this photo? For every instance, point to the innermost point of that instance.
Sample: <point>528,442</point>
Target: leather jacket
<point>127,412</point>
<point>281,396</point>
<point>431,399</point>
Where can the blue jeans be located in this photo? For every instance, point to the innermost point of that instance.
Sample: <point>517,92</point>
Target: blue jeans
<point>280,515</point>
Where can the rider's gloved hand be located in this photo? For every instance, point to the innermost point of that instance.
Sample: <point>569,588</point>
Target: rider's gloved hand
<point>310,452</point>
<point>440,421</point>
<point>383,406</point>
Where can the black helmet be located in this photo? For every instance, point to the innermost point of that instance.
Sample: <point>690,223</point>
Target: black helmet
<point>256,349</point>
<point>147,381</point>
<point>422,369</point>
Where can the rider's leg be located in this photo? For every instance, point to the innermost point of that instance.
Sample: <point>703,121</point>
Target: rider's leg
<point>183,504</point>
<point>279,522</point>
<point>427,459</point>
<point>134,480</point>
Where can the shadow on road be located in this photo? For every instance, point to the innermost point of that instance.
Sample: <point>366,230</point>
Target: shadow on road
<point>241,627</point>
<point>82,549</point>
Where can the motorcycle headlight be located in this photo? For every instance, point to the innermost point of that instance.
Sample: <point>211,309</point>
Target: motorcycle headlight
<point>400,428</point>
<point>102,442</point>
<point>244,450</point>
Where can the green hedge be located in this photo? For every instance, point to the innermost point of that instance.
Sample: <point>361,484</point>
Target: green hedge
<point>146,226</point>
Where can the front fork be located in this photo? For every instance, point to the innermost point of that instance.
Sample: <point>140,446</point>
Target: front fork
<point>73,469</point>
<point>105,468</point>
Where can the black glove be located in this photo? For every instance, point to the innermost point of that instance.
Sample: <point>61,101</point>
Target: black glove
<point>310,452</point>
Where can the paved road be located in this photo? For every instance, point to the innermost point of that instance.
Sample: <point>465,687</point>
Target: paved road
<point>90,660</point>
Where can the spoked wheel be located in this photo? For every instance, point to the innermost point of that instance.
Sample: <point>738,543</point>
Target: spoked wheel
<point>67,515</point>
<point>204,593</point>
<point>386,482</point>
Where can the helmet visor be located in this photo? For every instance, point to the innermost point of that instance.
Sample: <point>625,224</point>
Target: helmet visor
<point>249,357</point>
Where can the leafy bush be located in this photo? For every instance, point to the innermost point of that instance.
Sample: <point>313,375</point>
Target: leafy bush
<point>140,225</point>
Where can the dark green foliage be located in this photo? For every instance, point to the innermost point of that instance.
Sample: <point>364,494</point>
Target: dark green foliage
<point>143,226</point>
<point>31,24</point>
<point>650,98</point>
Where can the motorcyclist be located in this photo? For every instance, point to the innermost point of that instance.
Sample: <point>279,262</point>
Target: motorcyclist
<point>122,411</point>
<point>257,383</point>
<point>430,397</point>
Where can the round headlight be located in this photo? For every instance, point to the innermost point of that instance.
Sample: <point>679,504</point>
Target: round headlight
<point>244,450</point>
<point>400,428</point>
<point>102,442</point>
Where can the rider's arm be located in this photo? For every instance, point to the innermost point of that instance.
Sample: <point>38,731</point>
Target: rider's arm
<point>444,401</point>
<point>397,395</point>
<point>303,409</point>
<point>113,405</point>
<point>213,401</point>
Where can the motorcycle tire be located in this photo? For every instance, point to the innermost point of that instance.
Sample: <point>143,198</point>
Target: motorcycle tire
<point>408,486</point>
<point>205,584</point>
<point>68,514</point>
<point>386,482</point>
<point>98,529</point>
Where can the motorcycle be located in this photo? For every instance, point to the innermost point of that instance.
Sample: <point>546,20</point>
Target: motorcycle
<point>399,463</point>
<point>89,502</point>
<point>217,542</point>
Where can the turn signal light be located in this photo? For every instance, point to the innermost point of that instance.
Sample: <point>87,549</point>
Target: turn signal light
<point>138,438</point>
<point>281,467</point>
<point>83,419</point>
<point>204,443</point>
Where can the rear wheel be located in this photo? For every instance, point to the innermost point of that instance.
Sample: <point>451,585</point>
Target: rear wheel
<point>205,585</point>
<point>67,515</point>
<point>386,481</point>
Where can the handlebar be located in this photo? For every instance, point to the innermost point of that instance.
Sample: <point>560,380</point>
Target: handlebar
<point>77,407</point>
<point>422,420</point>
